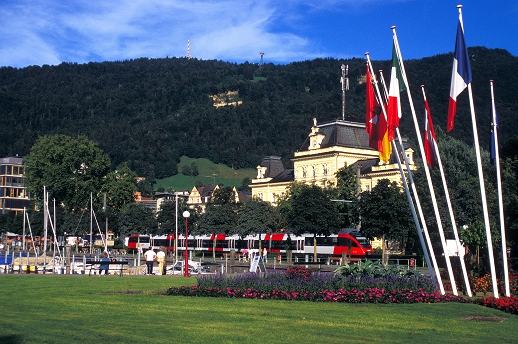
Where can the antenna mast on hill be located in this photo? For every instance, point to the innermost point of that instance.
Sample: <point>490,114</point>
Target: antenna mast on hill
<point>345,87</point>
<point>188,48</point>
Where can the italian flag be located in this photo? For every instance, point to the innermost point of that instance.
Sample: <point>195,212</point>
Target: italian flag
<point>397,85</point>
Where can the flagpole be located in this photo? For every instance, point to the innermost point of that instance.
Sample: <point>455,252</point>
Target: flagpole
<point>410,201</point>
<point>450,209</point>
<point>419,209</point>
<point>45,228</point>
<point>499,186</point>
<point>425,165</point>
<point>481,179</point>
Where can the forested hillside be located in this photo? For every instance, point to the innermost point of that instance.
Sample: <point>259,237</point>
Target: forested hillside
<point>149,112</point>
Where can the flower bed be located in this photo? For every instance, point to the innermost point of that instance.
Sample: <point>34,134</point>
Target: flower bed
<point>506,304</point>
<point>299,284</point>
<point>371,285</point>
<point>299,281</point>
<point>369,295</point>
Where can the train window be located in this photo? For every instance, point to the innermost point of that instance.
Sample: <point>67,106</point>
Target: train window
<point>363,241</point>
<point>347,242</point>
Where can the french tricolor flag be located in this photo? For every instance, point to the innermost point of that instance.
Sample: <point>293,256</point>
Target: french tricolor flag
<point>461,73</point>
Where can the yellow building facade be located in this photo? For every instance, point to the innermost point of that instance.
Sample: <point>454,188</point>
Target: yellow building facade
<point>328,147</point>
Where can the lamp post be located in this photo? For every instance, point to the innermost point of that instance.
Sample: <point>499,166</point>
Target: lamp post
<point>186,215</point>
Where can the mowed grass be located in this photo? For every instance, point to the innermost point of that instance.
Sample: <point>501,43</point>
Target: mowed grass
<point>133,309</point>
<point>209,173</point>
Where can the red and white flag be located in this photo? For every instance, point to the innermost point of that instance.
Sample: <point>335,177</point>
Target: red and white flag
<point>397,85</point>
<point>371,111</point>
<point>430,141</point>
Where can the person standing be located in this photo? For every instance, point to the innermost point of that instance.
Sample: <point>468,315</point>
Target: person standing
<point>265,255</point>
<point>160,257</point>
<point>150,259</point>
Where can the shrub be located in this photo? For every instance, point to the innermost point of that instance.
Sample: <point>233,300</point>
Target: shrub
<point>373,268</point>
<point>298,271</point>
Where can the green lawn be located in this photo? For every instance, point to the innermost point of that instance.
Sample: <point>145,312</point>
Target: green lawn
<point>209,173</point>
<point>131,309</point>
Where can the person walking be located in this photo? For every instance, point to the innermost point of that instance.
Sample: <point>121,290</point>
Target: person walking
<point>150,259</point>
<point>160,257</point>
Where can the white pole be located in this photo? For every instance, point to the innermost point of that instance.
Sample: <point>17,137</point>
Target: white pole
<point>30,231</point>
<point>410,201</point>
<point>176,232</point>
<point>106,221</point>
<point>91,222</point>
<point>53,226</point>
<point>481,180</point>
<point>500,199</point>
<point>431,265</point>
<point>23,234</point>
<point>450,209</point>
<point>483,194</point>
<point>427,172</point>
<point>45,228</point>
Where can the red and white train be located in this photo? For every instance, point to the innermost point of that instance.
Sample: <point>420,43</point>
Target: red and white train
<point>351,242</point>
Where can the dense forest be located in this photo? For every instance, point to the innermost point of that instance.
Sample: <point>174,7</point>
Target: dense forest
<point>149,112</point>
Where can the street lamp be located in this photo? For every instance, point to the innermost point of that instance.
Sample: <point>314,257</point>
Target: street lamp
<point>186,215</point>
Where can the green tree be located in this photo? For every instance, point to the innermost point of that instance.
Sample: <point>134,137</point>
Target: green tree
<point>186,170</point>
<point>145,188</point>
<point>218,218</point>
<point>221,212</point>
<point>70,168</point>
<point>345,196</point>
<point>459,164</point>
<point>194,169</point>
<point>509,172</point>
<point>385,212</point>
<point>136,218</point>
<point>120,187</point>
<point>166,217</point>
<point>311,211</point>
<point>11,222</point>
<point>257,216</point>
<point>284,201</point>
<point>245,184</point>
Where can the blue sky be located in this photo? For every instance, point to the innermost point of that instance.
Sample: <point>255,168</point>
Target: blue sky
<point>37,32</point>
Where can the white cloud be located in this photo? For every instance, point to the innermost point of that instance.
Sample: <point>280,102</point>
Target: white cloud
<point>77,31</point>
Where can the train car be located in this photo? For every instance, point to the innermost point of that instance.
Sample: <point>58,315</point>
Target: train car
<point>362,239</point>
<point>336,245</point>
<point>166,241</point>
<point>351,243</point>
<point>279,242</point>
<point>134,242</point>
<point>213,243</point>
